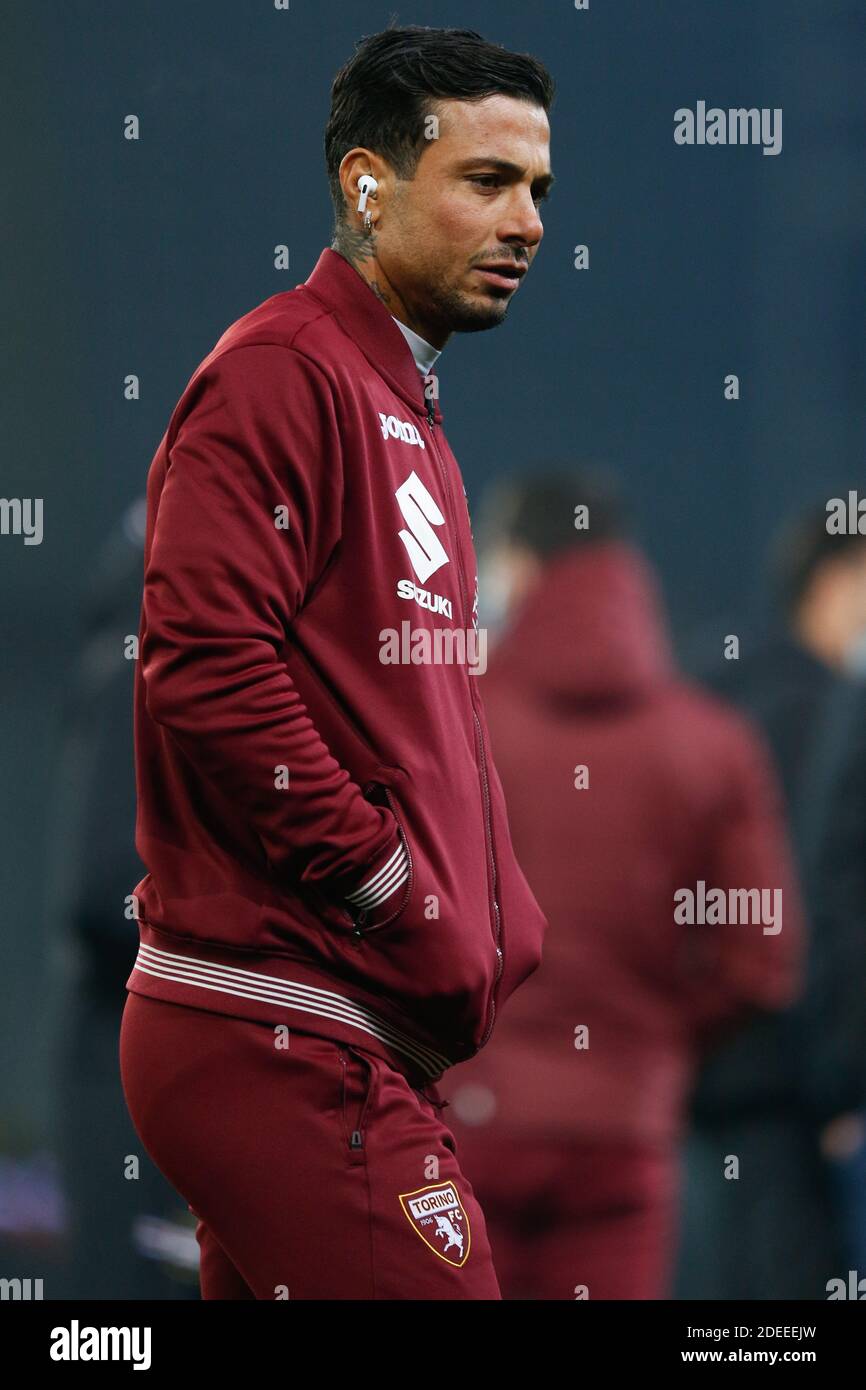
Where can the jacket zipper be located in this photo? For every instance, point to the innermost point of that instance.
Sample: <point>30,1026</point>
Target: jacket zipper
<point>500,959</point>
<point>488,828</point>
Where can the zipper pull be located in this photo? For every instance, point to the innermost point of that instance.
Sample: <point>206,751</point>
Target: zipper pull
<point>357,1140</point>
<point>431,420</point>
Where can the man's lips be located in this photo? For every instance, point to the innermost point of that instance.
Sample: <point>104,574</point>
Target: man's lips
<point>506,274</point>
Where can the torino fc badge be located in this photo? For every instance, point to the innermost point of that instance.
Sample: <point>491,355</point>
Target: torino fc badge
<point>437,1215</point>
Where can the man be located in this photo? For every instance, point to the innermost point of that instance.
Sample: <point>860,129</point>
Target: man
<point>333,913</point>
<point>785,1094</point>
<point>627,789</point>
<point>124,1239</point>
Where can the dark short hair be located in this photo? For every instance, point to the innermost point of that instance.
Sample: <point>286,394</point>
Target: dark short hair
<point>537,509</point>
<point>382,95</point>
<point>801,548</point>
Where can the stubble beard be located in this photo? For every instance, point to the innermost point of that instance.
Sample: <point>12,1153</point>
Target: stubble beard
<point>452,309</point>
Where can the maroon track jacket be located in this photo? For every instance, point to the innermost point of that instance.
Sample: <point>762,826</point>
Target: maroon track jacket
<point>324,830</point>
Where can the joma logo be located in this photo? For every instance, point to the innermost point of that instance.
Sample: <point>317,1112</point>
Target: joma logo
<point>392,428</point>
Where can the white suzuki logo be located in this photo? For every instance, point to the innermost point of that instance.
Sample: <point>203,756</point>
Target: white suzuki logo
<point>400,429</point>
<point>419,509</point>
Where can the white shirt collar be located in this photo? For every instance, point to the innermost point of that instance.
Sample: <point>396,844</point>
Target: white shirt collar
<point>424,354</point>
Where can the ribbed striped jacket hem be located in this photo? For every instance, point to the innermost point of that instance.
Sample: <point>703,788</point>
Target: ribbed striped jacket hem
<point>272,990</point>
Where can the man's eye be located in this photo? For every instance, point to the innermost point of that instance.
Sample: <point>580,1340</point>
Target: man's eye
<point>494,181</point>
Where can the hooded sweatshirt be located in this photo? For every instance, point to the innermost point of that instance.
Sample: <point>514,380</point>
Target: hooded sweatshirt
<point>624,786</point>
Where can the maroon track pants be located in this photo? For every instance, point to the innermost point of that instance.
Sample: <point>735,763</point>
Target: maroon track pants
<point>315,1170</point>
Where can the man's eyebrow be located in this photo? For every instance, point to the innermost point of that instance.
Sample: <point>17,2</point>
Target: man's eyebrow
<point>506,166</point>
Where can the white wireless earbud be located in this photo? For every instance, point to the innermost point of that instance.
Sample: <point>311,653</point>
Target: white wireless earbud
<point>366,184</point>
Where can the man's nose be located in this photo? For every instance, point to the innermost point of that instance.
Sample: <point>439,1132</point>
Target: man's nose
<point>522,223</point>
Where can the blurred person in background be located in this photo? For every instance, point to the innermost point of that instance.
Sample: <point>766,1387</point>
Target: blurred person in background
<point>787,1094</point>
<point>624,785</point>
<point>129,1237</point>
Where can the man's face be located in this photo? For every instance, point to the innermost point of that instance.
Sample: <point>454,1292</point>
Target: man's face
<point>831,617</point>
<point>465,210</point>
<point>508,571</point>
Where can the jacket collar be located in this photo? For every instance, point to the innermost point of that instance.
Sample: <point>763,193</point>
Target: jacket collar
<point>346,294</point>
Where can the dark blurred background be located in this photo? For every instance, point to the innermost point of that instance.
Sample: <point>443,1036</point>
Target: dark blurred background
<point>131,257</point>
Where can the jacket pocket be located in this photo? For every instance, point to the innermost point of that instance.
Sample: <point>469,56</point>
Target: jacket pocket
<point>359,1082</point>
<point>380,893</point>
<point>371,918</point>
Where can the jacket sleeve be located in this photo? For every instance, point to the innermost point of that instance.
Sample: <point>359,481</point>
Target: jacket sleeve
<point>248,517</point>
<point>736,971</point>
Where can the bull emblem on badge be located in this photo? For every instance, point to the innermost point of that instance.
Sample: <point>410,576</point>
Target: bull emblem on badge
<point>438,1216</point>
<point>452,1236</point>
